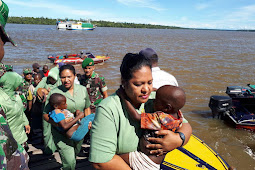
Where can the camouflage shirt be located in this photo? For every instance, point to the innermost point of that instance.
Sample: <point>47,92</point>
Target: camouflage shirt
<point>95,86</point>
<point>24,87</point>
<point>23,92</point>
<point>12,155</point>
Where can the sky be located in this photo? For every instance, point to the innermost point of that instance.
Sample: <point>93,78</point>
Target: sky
<point>210,14</point>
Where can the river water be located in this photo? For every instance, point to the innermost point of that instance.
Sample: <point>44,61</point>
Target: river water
<point>204,63</point>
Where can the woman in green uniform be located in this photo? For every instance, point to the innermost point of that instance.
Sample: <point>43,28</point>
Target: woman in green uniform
<point>113,131</point>
<point>12,154</point>
<point>13,107</point>
<point>49,82</point>
<point>77,99</point>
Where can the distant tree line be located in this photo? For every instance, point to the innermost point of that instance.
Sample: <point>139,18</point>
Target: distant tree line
<point>49,21</point>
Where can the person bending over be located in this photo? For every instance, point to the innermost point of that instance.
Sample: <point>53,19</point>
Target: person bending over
<point>167,104</point>
<point>70,125</point>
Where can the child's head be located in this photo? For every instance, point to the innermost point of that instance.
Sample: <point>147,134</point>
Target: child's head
<point>169,99</point>
<point>37,79</point>
<point>58,101</point>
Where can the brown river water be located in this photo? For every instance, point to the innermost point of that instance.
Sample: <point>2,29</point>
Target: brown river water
<point>204,63</point>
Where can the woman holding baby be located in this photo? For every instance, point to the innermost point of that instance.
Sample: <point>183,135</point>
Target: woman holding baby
<point>76,99</point>
<point>113,131</point>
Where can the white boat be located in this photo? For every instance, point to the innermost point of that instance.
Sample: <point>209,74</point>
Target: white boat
<point>63,24</point>
<point>80,26</point>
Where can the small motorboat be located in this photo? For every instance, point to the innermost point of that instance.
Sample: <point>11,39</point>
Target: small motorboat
<point>53,57</point>
<point>76,58</point>
<point>238,107</point>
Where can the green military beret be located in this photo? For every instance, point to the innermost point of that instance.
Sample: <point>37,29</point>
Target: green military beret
<point>87,62</point>
<point>4,11</point>
<point>27,71</point>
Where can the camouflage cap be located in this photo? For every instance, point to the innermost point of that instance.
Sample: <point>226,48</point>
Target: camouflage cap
<point>27,71</point>
<point>87,62</point>
<point>4,11</point>
<point>2,69</point>
<point>8,67</point>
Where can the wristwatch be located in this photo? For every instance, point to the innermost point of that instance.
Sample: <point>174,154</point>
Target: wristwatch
<point>182,136</point>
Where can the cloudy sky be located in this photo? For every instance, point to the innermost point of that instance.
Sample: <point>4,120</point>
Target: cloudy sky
<point>215,14</point>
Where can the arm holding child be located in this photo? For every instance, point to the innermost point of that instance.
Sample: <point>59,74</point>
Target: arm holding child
<point>67,125</point>
<point>131,110</point>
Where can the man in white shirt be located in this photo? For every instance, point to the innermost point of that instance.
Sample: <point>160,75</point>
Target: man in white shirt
<point>160,77</point>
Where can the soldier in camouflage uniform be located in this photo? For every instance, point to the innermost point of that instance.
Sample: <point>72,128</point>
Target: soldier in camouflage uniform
<point>23,92</point>
<point>12,155</point>
<point>94,83</point>
<point>8,67</point>
<point>27,72</point>
<point>26,95</point>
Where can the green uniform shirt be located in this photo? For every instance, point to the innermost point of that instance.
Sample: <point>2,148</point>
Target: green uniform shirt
<point>16,117</point>
<point>112,131</point>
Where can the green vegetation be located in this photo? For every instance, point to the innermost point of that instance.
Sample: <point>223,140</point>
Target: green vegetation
<point>49,21</point>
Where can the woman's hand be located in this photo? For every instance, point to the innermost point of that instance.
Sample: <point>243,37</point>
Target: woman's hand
<point>163,145</point>
<point>78,112</point>
<point>170,140</point>
<point>27,127</point>
<point>80,115</point>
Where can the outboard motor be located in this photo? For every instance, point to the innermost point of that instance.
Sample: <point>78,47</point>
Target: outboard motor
<point>220,104</point>
<point>235,91</point>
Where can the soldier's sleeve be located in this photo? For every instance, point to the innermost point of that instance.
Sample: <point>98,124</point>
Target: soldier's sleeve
<point>3,141</point>
<point>12,155</point>
<point>103,85</point>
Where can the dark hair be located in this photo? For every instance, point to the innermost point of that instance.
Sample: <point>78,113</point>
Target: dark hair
<point>66,67</point>
<point>131,63</point>
<point>56,98</point>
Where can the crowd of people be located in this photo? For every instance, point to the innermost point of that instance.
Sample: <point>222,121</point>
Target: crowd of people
<point>132,128</point>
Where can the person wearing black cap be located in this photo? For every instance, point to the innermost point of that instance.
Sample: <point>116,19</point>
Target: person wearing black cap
<point>160,77</point>
<point>12,155</point>
<point>36,70</point>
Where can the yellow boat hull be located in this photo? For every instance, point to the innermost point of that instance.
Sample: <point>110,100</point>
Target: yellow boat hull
<point>195,155</point>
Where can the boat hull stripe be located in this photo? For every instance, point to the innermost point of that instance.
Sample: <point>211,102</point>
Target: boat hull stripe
<point>191,155</point>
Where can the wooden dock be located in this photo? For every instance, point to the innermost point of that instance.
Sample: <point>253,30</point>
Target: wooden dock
<point>40,161</point>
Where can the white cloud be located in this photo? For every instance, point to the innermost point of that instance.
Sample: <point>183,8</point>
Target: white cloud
<point>152,4</point>
<point>244,13</point>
